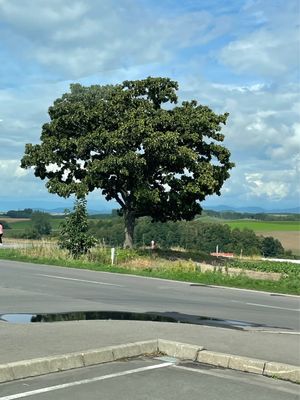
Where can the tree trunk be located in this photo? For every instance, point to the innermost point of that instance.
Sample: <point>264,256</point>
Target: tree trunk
<point>129,220</point>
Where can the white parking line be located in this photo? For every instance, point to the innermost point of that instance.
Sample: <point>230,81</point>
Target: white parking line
<point>79,280</point>
<point>256,381</point>
<point>84,381</point>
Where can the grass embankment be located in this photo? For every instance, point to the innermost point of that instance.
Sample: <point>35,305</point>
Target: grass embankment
<point>173,265</point>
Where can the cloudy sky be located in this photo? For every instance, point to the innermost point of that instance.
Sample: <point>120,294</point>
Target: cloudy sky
<point>239,56</point>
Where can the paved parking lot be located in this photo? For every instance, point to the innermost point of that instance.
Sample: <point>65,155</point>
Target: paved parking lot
<point>148,378</point>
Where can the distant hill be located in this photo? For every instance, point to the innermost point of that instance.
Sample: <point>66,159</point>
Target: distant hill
<point>53,211</point>
<point>295,210</point>
<point>256,210</point>
<point>220,208</point>
<point>61,210</point>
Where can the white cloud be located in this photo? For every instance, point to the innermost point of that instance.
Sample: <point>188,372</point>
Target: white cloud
<point>289,149</point>
<point>231,88</point>
<point>76,38</point>
<point>11,170</point>
<point>275,185</point>
<point>24,110</point>
<point>261,119</point>
<point>250,72</point>
<point>262,133</point>
<point>23,15</point>
<point>272,51</point>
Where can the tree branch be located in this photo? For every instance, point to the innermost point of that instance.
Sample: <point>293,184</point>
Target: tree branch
<point>120,201</point>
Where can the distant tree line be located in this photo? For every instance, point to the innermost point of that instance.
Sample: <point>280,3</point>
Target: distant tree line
<point>228,215</point>
<point>231,215</point>
<point>26,213</point>
<point>191,235</point>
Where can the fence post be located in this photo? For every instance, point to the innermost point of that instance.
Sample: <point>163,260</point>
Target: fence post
<point>112,255</point>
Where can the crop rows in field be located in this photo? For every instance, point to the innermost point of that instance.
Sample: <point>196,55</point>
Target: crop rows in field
<point>265,266</point>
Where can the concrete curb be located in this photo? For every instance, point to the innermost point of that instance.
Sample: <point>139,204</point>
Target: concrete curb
<point>179,350</point>
<point>239,363</point>
<point>41,366</point>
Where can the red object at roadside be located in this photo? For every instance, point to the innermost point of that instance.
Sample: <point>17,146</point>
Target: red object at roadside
<point>230,255</point>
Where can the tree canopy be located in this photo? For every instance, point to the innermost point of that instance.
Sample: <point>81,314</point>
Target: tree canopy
<point>189,235</point>
<point>271,247</point>
<point>152,158</point>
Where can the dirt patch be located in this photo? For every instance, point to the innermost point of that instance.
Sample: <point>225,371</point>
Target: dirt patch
<point>270,276</point>
<point>290,240</point>
<point>12,220</point>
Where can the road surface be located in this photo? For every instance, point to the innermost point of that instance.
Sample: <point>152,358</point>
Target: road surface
<point>33,288</point>
<point>150,379</point>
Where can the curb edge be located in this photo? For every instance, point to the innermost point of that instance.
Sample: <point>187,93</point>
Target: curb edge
<point>42,366</point>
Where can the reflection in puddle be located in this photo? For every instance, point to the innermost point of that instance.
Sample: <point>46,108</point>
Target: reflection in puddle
<point>17,318</point>
<point>126,316</point>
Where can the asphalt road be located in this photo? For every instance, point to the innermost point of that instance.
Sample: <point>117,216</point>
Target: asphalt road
<point>150,379</point>
<point>32,288</point>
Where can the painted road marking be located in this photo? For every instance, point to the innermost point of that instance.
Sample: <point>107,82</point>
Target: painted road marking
<point>280,332</point>
<point>265,305</point>
<point>244,379</point>
<point>84,381</point>
<point>280,308</point>
<point>79,280</point>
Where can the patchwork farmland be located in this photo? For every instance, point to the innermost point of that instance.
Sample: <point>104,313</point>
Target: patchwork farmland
<point>287,232</point>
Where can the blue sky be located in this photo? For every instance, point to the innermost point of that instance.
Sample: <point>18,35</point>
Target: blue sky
<point>239,56</point>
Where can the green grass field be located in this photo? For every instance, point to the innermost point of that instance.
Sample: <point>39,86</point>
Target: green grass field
<point>20,226</point>
<point>267,226</point>
<point>256,226</point>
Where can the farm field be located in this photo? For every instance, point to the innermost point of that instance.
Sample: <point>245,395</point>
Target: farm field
<point>290,240</point>
<point>261,226</point>
<point>13,220</point>
<point>287,232</point>
<point>19,225</point>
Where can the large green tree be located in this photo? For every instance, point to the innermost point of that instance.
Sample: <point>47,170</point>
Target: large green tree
<point>152,158</point>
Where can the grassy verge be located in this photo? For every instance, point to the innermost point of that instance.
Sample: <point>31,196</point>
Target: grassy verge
<point>167,265</point>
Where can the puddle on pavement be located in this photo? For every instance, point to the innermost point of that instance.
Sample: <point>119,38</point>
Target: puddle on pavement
<point>172,317</point>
